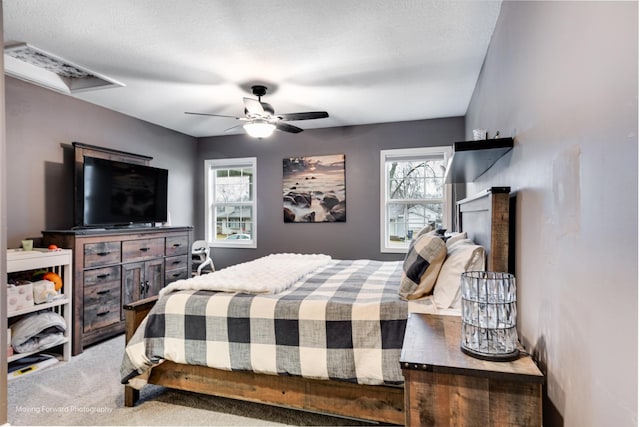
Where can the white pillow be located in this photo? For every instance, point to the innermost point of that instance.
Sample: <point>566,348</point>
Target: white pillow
<point>462,256</point>
<point>455,237</point>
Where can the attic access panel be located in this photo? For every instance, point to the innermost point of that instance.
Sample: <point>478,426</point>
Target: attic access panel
<point>34,65</point>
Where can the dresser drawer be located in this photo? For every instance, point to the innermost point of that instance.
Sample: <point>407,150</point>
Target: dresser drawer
<point>173,275</point>
<point>96,254</point>
<point>142,249</point>
<point>177,245</point>
<point>101,305</point>
<point>103,294</point>
<point>101,276</point>
<point>176,262</point>
<point>176,268</point>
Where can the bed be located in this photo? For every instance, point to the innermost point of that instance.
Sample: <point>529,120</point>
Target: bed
<point>363,378</point>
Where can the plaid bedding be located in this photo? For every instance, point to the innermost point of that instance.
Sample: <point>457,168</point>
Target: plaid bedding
<point>343,321</point>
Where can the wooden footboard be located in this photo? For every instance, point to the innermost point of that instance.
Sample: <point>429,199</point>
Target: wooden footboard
<point>376,403</point>
<point>133,315</point>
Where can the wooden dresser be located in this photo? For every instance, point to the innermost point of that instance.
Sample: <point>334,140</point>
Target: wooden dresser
<point>444,386</point>
<point>113,267</point>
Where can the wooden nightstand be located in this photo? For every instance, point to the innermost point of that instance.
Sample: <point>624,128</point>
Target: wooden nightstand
<point>443,386</point>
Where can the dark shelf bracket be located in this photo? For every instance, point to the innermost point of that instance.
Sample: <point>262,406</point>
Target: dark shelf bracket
<point>471,159</point>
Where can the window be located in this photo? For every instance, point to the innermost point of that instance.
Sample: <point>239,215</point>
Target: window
<point>412,194</point>
<point>230,202</point>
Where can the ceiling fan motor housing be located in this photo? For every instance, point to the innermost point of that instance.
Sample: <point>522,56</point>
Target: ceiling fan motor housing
<point>259,90</point>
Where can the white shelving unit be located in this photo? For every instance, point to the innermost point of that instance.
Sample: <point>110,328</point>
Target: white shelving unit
<point>58,261</point>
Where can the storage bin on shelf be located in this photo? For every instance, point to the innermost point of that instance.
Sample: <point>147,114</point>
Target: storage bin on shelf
<point>19,297</point>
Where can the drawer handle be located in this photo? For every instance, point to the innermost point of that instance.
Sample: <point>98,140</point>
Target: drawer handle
<point>104,313</point>
<point>176,245</point>
<point>103,253</point>
<point>103,292</point>
<point>144,249</point>
<point>175,275</point>
<point>144,287</point>
<point>177,262</point>
<point>104,276</point>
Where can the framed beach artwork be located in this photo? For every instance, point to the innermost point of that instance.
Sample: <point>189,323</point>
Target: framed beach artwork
<point>313,189</point>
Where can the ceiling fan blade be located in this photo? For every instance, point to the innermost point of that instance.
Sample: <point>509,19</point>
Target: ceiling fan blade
<point>285,127</point>
<point>212,115</point>
<point>304,116</point>
<point>253,106</point>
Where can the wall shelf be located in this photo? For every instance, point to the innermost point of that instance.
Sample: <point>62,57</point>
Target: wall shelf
<point>471,159</point>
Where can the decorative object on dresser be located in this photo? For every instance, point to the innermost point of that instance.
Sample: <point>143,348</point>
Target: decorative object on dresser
<point>45,325</point>
<point>113,267</point>
<point>444,386</point>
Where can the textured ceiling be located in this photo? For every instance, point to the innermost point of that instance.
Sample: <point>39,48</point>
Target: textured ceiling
<point>363,61</point>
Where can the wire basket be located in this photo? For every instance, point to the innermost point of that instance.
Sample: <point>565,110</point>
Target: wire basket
<point>489,315</point>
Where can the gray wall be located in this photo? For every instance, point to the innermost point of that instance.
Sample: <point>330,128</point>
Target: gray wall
<point>3,244</point>
<point>42,124</point>
<point>562,77</point>
<point>359,236</point>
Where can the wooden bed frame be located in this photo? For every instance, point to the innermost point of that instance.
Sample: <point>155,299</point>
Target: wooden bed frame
<point>486,220</point>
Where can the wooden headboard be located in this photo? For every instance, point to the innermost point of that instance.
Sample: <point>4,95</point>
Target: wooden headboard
<point>488,220</point>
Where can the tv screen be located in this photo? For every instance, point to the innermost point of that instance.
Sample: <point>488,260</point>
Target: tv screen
<point>118,193</point>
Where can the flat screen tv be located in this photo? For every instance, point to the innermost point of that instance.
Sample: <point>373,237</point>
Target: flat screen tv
<point>121,194</point>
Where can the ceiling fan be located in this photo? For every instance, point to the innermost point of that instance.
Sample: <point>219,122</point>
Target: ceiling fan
<point>261,119</point>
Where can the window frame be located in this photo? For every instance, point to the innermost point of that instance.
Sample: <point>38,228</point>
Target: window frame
<point>210,227</point>
<point>408,153</point>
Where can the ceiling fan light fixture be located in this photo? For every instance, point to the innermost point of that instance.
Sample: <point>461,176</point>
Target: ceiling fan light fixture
<point>259,128</point>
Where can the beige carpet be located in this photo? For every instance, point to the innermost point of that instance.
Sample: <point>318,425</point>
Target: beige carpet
<point>87,391</point>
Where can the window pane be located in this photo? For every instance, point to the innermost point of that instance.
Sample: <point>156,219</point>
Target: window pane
<point>233,220</point>
<point>406,219</point>
<point>233,185</point>
<point>415,179</point>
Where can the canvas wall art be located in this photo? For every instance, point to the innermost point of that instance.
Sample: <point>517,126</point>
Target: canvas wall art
<point>313,189</point>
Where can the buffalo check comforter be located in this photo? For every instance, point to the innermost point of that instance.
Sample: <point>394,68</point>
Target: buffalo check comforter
<point>342,321</point>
